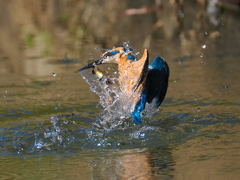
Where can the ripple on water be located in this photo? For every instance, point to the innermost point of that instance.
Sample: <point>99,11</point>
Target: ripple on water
<point>167,129</point>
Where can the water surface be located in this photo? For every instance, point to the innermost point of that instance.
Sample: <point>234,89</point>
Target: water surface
<point>47,112</point>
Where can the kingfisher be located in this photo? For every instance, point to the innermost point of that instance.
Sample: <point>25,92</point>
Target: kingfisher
<point>139,81</point>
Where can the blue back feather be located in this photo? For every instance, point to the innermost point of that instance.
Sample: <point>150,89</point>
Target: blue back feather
<point>155,87</point>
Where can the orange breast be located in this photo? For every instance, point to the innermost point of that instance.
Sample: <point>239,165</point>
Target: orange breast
<point>132,74</point>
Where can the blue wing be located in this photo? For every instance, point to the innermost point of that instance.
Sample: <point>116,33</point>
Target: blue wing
<point>157,81</point>
<point>155,87</point>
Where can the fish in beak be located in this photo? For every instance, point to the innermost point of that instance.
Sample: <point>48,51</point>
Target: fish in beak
<point>138,82</point>
<point>132,72</point>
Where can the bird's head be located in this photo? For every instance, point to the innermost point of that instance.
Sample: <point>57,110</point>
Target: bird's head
<point>116,55</point>
<point>132,72</point>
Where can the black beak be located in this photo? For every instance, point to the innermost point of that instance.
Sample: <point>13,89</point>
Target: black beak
<point>109,57</point>
<point>93,64</point>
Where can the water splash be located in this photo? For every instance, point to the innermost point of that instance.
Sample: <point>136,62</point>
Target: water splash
<point>61,134</point>
<point>118,104</point>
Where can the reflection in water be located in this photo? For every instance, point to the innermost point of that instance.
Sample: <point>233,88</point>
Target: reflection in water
<point>140,152</point>
<point>134,164</point>
<point>179,142</point>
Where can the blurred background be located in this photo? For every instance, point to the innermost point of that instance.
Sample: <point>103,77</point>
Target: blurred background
<point>42,42</point>
<point>42,37</point>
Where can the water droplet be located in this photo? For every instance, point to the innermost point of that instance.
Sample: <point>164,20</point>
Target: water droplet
<point>59,138</point>
<point>4,95</point>
<point>118,144</point>
<point>53,74</point>
<point>90,54</point>
<point>179,61</point>
<point>201,54</point>
<point>198,109</point>
<point>196,98</point>
<point>6,91</point>
<point>55,107</point>
<point>99,144</point>
<point>65,122</point>
<point>54,120</point>
<point>203,46</point>
<point>175,81</point>
<point>206,32</point>
<point>142,135</point>
<point>59,104</point>
<point>202,61</point>
<point>38,145</point>
<point>74,122</point>
<point>108,144</point>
